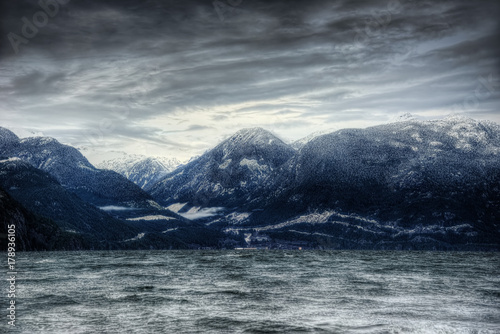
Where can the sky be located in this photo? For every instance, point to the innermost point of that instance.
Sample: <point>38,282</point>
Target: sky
<point>175,77</point>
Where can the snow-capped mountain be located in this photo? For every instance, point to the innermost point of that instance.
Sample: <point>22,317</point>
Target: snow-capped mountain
<point>418,184</point>
<point>429,182</point>
<point>121,164</point>
<point>397,156</point>
<point>229,174</point>
<point>73,170</point>
<point>49,217</point>
<point>411,184</point>
<point>143,171</point>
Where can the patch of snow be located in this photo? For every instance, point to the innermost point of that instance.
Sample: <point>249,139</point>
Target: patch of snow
<point>253,165</point>
<point>154,204</point>
<point>10,159</point>
<point>176,207</point>
<point>417,137</point>
<point>225,164</point>
<point>248,237</point>
<point>197,212</point>
<point>80,165</point>
<point>238,217</point>
<point>313,218</point>
<point>139,236</point>
<point>151,217</point>
<point>71,231</point>
<point>115,208</point>
<point>170,230</point>
<point>321,218</point>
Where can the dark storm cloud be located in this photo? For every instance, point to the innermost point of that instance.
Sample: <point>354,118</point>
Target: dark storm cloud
<point>155,67</point>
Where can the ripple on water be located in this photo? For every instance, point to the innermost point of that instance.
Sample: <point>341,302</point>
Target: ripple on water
<point>259,292</point>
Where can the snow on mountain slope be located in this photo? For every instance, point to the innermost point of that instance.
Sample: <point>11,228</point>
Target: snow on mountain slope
<point>7,138</point>
<point>122,164</point>
<point>140,169</point>
<point>413,182</point>
<point>409,184</point>
<point>298,144</point>
<point>230,173</point>
<point>42,194</point>
<point>442,172</point>
<point>74,171</point>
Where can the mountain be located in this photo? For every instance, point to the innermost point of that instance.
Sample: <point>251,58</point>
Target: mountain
<point>59,219</point>
<point>228,175</point>
<point>414,183</point>
<point>416,159</point>
<point>68,166</point>
<point>43,195</point>
<point>32,232</point>
<point>143,171</point>
<point>406,185</point>
<point>101,207</point>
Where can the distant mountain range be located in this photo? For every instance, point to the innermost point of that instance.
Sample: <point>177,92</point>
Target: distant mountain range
<point>142,170</point>
<point>405,185</point>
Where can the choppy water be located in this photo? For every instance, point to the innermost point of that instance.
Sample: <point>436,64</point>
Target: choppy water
<point>257,292</point>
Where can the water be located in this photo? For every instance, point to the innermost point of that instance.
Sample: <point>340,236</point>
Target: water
<point>257,292</point>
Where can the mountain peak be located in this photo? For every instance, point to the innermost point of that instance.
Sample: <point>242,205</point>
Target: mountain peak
<point>253,131</point>
<point>7,135</point>
<point>250,139</point>
<point>406,117</point>
<point>253,135</point>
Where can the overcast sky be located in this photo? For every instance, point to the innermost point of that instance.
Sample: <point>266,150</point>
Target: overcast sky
<point>175,77</point>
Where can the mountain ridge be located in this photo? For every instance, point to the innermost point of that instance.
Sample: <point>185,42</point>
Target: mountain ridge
<point>140,169</point>
<point>411,184</point>
<point>442,175</point>
<point>74,171</point>
<point>234,170</point>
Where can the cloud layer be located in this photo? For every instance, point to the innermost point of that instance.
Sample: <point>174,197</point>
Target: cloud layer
<point>175,77</point>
